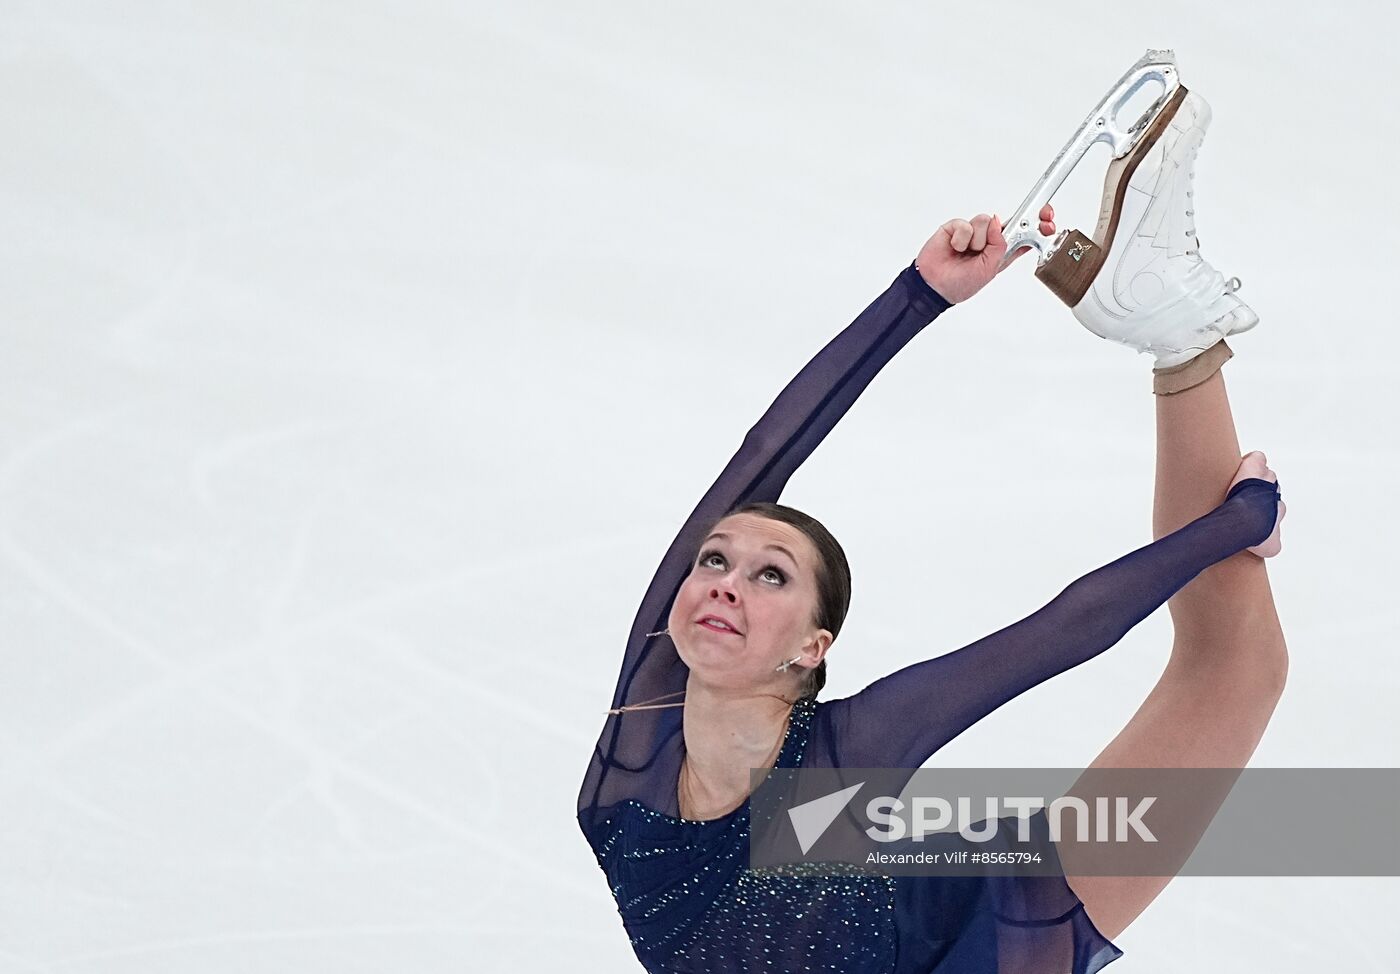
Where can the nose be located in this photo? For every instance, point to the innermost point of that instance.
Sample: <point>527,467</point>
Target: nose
<point>726,586</point>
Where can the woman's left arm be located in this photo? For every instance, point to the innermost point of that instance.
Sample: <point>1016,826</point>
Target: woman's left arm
<point>902,719</point>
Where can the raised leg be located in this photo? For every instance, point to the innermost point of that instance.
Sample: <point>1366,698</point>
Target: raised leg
<point>1228,661</point>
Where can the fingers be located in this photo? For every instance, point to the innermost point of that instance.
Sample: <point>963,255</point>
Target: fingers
<point>959,234</point>
<point>968,236</point>
<point>973,236</point>
<point>979,231</point>
<point>1257,465</point>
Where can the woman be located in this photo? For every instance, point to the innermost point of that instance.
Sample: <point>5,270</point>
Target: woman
<point>727,654</point>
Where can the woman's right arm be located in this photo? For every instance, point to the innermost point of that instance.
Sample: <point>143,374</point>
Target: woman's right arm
<point>638,753</point>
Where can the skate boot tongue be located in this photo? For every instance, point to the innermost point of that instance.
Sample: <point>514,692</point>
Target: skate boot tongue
<point>1233,316</point>
<point>1203,310</point>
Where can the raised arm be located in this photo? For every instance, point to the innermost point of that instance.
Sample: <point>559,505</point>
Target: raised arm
<point>637,755</point>
<point>899,721</point>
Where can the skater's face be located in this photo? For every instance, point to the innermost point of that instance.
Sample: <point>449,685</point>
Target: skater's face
<point>760,576</point>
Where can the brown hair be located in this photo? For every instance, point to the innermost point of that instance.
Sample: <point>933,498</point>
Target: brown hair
<point>833,575</point>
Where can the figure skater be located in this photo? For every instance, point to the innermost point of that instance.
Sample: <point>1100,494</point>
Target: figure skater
<point>728,651</point>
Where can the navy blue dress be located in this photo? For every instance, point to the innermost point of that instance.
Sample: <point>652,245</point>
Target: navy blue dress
<point>683,889</point>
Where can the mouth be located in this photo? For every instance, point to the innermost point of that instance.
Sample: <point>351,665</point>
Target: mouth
<point>716,624</point>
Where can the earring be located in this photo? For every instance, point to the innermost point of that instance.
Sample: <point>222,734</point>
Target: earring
<point>783,667</point>
<point>663,632</point>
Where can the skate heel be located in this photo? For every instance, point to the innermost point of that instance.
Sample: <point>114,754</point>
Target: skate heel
<point>1072,268</point>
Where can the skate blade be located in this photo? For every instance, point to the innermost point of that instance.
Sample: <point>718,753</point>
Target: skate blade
<point>1072,266</point>
<point>1023,228</point>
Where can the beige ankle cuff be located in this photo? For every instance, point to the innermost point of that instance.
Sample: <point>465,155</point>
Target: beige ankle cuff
<point>1187,375</point>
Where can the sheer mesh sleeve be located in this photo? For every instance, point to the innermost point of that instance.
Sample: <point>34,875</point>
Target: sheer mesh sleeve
<point>638,754</point>
<point>902,719</point>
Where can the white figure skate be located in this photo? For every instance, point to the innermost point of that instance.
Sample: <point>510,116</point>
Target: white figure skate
<point>1140,280</point>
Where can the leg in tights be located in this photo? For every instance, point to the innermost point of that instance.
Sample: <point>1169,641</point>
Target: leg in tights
<point>1228,661</point>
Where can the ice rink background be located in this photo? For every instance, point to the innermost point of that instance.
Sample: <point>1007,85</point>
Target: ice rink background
<point>360,360</point>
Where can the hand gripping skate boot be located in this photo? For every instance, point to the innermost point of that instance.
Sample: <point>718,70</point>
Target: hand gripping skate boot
<point>1140,279</point>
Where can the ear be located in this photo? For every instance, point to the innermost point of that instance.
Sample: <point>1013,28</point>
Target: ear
<point>815,649</point>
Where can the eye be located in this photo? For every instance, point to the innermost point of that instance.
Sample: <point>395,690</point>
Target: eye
<point>780,576</point>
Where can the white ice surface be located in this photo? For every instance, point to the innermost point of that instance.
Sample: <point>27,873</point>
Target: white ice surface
<point>359,361</point>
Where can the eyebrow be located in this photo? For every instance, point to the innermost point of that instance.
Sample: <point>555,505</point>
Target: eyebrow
<point>721,534</point>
